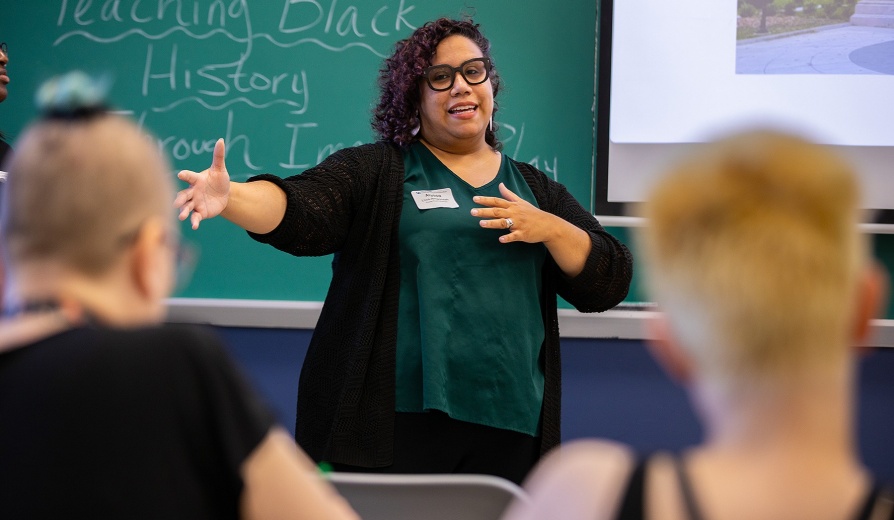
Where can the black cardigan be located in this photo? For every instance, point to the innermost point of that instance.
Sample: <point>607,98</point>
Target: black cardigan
<point>350,205</point>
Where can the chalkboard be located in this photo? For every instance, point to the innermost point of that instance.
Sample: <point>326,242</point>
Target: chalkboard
<point>286,82</point>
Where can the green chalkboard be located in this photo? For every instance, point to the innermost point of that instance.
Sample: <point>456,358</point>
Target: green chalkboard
<point>287,82</point>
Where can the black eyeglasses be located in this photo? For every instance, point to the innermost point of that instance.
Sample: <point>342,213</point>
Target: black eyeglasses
<point>474,71</point>
<point>3,48</point>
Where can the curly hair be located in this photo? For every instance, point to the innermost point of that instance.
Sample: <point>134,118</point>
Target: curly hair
<point>396,114</point>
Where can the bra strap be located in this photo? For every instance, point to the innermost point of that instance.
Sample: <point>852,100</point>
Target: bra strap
<point>689,502</point>
<point>882,504</point>
<point>632,503</point>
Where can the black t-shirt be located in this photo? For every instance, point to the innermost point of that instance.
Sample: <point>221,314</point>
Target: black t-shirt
<point>142,423</point>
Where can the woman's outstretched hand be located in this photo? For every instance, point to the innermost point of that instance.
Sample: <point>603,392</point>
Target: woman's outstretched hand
<point>208,191</point>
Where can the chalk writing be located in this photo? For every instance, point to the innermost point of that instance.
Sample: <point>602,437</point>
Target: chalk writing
<point>183,13</point>
<point>202,65</point>
<point>184,148</point>
<point>549,165</point>
<point>103,22</point>
<point>295,19</point>
<point>221,85</point>
<point>292,165</point>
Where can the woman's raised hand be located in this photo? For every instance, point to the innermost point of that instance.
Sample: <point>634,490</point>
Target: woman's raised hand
<point>208,191</point>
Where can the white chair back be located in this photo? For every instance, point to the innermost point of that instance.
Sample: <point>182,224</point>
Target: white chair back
<point>377,496</point>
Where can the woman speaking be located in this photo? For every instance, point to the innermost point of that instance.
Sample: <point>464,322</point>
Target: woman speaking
<point>437,349</point>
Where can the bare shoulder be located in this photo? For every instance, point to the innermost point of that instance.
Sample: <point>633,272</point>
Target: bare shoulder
<point>579,480</point>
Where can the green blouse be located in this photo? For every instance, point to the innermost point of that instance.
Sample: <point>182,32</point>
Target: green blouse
<point>470,327</point>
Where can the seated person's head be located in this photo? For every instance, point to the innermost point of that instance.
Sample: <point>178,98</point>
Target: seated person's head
<point>754,254</point>
<point>87,215</point>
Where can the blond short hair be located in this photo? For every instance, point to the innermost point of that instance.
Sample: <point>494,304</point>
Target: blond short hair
<point>753,250</point>
<point>79,189</point>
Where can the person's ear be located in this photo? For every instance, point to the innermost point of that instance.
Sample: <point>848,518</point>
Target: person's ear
<point>872,294</point>
<point>665,348</point>
<point>150,269</point>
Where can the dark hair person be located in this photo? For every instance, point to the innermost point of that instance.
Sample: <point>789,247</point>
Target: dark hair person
<point>106,412</point>
<point>396,118</point>
<point>437,349</point>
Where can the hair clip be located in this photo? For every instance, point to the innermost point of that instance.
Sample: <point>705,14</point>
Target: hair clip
<point>72,95</point>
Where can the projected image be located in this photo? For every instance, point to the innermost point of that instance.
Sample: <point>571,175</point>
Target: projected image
<point>815,37</point>
<point>672,84</point>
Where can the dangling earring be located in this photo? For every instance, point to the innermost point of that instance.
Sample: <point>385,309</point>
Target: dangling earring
<point>491,126</point>
<point>415,129</point>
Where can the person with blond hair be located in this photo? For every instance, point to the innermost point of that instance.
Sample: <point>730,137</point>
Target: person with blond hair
<point>105,412</point>
<point>764,284</point>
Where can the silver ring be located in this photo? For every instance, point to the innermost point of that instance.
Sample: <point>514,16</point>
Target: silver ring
<point>509,223</point>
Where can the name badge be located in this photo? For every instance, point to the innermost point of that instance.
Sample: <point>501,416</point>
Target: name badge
<point>428,199</point>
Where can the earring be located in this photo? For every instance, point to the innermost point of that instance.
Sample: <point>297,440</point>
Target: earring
<point>415,129</point>
<point>491,126</point>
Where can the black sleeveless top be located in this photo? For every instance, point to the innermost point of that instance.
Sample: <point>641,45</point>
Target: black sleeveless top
<point>633,503</point>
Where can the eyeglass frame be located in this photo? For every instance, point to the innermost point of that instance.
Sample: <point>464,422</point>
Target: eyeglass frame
<point>453,70</point>
<point>186,253</point>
